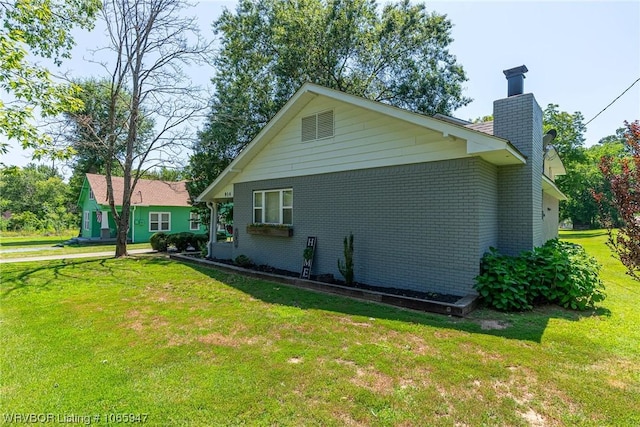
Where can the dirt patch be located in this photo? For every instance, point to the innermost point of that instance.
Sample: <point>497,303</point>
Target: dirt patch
<point>348,321</point>
<point>219,339</point>
<point>533,418</point>
<point>487,325</point>
<point>373,380</point>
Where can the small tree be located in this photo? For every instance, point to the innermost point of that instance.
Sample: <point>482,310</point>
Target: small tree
<point>150,42</point>
<point>623,177</point>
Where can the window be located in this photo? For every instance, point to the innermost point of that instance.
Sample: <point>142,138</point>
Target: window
<point>91,195</point>
<point>317,126</point>
<point>159,221</point>
<point>273,206</point>
<point>194,221</point>
<point>87,220</point>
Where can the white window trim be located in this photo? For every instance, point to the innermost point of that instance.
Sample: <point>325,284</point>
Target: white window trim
<point>194,217</point>
<point>281,207</point>
<point>91,195</point>
<point>87,220</point>
<point>159,222</point>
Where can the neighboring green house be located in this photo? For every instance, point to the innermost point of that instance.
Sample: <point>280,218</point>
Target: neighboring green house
<point>155,206</point>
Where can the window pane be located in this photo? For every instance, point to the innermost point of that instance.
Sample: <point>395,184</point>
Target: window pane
<point>154,226</point>
<point>287,216</point>
<point>272,201</point>
<point>257,215</point>
<point>287,198</point>
<point>153,217</point>
<point>165,217</point>
<point>257,200</point>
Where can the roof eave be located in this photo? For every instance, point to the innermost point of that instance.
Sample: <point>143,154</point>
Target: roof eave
<point>484,143</point>
<point>549,187</point>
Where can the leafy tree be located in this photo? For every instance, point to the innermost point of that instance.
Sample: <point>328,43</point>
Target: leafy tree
<point>397,55</point>
<point>31,29</point>
<point>165,174</point>
<point>36,197</point>
<point>569,143</point>
<point>149,41</point>
<point>623,176</point>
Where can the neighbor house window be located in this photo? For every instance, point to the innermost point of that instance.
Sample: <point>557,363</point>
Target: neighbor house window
<point>273,206</point>
<point>87,220</point>
<point>317,126</point>
<point>194,221</point>
<point>91,196</point>
<point>159,221</point>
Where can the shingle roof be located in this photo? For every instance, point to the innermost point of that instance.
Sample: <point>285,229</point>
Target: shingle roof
<point>486,127</point>
<point>147,192</point>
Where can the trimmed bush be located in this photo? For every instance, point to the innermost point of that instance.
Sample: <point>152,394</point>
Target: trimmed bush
<point>182,240</point>
<point>158,241</point>
<point>200,241</point>
<point>243,261</point>
<point>558,272</point>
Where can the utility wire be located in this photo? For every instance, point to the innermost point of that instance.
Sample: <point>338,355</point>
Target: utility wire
<point>612,102</point>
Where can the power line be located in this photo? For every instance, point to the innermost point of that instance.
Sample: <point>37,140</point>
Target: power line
<point>612,102</point>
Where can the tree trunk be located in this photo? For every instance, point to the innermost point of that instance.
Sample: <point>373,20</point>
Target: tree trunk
<point>121,242</point>
<point>122,228</point>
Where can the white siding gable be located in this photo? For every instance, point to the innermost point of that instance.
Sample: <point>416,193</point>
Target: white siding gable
<point>362,139</point>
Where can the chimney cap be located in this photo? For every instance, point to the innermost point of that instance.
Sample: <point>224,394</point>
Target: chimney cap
<point>511,72</point>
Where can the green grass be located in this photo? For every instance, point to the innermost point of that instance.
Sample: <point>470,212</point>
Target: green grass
<point>192,346</point>
<point>13,245</point>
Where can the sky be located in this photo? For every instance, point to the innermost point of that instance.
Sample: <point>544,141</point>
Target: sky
<point>581,55</point>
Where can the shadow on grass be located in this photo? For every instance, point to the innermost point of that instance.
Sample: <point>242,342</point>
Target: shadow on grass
<point>56,273</point>
<point>528,326</point>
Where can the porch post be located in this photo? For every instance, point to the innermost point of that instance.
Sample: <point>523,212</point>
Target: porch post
<point>213,227</point>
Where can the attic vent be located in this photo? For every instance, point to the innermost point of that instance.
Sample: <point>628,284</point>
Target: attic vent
<point>317,126</point>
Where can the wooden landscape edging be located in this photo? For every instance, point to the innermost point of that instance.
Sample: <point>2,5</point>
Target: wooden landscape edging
<point>460,308</point>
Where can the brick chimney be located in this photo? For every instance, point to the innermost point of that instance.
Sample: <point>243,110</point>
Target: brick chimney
<point>518,118</point>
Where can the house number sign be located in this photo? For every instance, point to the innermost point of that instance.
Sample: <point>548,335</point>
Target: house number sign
<point>307,262</point>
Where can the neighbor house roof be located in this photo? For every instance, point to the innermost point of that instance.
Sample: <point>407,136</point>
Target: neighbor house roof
<point>493,149</point>
<point>147,192</point>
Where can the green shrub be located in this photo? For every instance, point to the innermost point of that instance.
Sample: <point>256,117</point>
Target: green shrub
<point>200,241</point>
<point>243,261</point>
<point>158,241</point>
<point>557,272</point>
<point>181,240</point>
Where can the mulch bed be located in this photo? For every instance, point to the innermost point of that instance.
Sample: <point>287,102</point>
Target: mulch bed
<point>432,296</point>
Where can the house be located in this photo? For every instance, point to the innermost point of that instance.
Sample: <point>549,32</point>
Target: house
<point>425,197</point>
<point>155,206</point>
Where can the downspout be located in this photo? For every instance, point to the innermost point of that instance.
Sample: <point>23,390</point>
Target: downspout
<point>213,225</point>
<point>133,226</point>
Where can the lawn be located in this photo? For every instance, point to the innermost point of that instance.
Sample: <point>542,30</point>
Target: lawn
<point>13,245</point>
<point>182,345</point>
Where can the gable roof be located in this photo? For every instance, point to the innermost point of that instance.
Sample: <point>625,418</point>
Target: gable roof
<point>147,192</point>
<point>493,149</point>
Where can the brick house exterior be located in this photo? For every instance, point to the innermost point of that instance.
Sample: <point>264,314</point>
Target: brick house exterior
<point>424,197</point>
